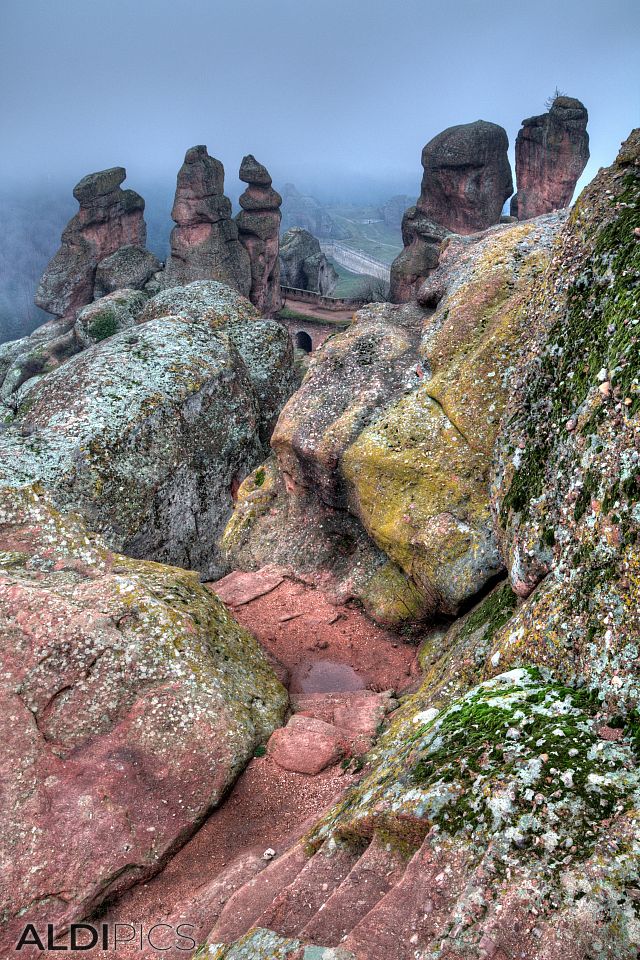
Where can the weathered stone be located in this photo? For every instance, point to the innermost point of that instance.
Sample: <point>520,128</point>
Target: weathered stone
<point>259,233</point>
<point>129,267</point>
<point>109,218</point>
<point>130,700</point>
<point>422,240</point>
<point>306,745</point>
<point>204,242</point>
<point>303,264</point>
<point>467,177</point>
<point>264,345</point>
<point>146,434</point>
<point>107,316</point>
<point>552,150</point>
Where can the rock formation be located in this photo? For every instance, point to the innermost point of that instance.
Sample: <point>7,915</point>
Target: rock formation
<point>386,448</point>
<point>204,242</point>
<point>149,432</point>
<point>303,265</point>
<point>109,218</point>
<point>551,152</point>
<point>129,267</point>
<point>259,233</point>
<point>466,180</point>
<point>103,657</point>
<point>422,239</point>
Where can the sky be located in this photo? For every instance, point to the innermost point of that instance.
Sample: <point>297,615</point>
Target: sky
<point>338,96</point>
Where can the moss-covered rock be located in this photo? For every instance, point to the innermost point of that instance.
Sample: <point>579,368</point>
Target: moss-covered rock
<point>108,315</point>
<point>131,700</point>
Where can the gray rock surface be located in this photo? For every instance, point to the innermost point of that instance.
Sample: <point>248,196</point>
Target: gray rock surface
<point>303,264</point>
<point>131,267</point>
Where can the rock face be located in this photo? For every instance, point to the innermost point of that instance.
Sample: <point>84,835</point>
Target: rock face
<point>466,180</point>
<point>107,316</point>
<point>109,218</point>
<point>551,152</point>
<point>259,233</point>
<point>422,240</point>
<point>149,432</point>
<point>303,264</point>
<point>467,177</point>
<point>131,701</point>
<point>204,242</point>
<point>384,454</point>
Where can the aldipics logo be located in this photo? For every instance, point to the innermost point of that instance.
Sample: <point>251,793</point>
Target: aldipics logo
<point>107,936</point>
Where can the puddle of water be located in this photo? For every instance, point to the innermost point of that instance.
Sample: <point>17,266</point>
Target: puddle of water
<point>325,676</point>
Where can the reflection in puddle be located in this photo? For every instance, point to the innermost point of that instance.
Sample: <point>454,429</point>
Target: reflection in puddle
<point>324,676</point>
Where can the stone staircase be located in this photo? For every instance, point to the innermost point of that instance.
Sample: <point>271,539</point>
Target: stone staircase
<point>369,900</point>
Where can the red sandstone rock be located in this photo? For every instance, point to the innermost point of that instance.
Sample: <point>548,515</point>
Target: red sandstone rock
<point>109,218</point>
<point>306,745</point>
<point>551,152</point>
<point>204,242</point>
<point>259,233</point>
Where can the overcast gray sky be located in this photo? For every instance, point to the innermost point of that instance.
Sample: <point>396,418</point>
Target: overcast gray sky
<point>326,92</point>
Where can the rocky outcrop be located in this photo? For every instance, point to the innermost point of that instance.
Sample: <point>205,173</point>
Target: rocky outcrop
<point>259,233</point>
<point>128,268</point>
<point>466,180</point>
<point>204,242</point>
<point>467,177</point>
<point>303,265</point>
<point>552,150</point>
<point>130,701</point>
<point>109,218</point>
<point>149,432</point>
<point>383,455</point>
<point>422,240</point>
<point>107,316</point>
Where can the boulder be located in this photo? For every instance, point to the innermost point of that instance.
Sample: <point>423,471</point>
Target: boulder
<point>264,345</point>
<point>131,700</point>
<point>129,267</point>
<point>466,180</point>
<point>109,218</point>
<point>384,454</point>
<point>303,265</point>
<point>107,316</point>
<point>467,177</point>
<point>204,242</point>
<point>147,434</point>
<point>259,233</point>
<point>552,150</point>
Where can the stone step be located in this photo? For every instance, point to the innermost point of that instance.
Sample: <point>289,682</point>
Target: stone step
<point>308,745</point>
<point>242,910</point>
<point>362,714</point>
<point>309,891</point>
<point>372,876</point>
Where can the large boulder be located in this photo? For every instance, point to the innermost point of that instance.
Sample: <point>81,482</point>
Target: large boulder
<point>107,316</point>
<point>259,233</point>
<point>467,177</point>
<point>264,345</point>
<point>128,268</point>
<point>130,701</point>
<point>147,433</point>
<point>109,218</point>
<point>384,454</point>
<point>204,242</point>
<point>552,150</point>
<point>303,265</point>
<point>466,180</point>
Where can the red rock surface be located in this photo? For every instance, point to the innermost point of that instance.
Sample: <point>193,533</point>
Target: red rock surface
<point>130,702</point>
<point>204,242</point>
<point>552,150</point>
<point>259,233</point>
<point>109,218</point>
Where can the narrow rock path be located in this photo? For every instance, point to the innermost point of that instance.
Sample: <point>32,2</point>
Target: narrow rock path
<point>341,672</point>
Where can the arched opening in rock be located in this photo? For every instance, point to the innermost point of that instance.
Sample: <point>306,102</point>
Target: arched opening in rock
<point>303,341</point>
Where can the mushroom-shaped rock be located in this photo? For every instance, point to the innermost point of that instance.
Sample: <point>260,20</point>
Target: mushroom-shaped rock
<point>108,219</point>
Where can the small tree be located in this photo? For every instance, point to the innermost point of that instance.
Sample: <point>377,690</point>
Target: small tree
<point>549,102</point>
<point>373,290</point>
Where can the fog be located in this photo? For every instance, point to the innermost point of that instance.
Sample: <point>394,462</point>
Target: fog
<point>338,96</point>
